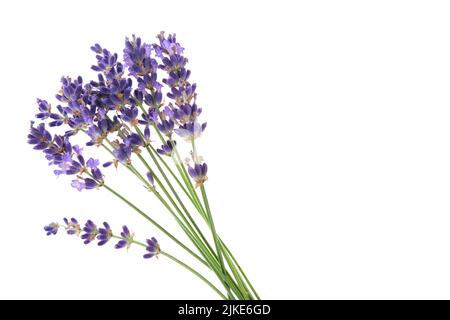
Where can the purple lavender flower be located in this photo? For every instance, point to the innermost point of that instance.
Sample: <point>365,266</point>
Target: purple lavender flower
<point>97,174</point>
<point>76,97</point>
<point>169,46</point>
<point>39,137</point>
<point>93,163</point>
<point>130,115</point>
<point>95,171</point>
<point>58,151</point>
<point>167,149</point>
<point>72,226</point>
<point>71,91</point>
<point>190,131</point>
<point>169,112</point>
<point>182,95</point>
<point>118,93</point>
<point>198,173</point>
<point>58,148</point>
<point>153,100</point>
<point>96,48</point>
<point>137,57</point>
<point>147,135</point>
<point>90,232</point>
<point>152,248</point>
<point>177,75</point>
<point>66,164</point>
<point>98,132</point>
<point>107,63</point>
<point>84,183</point>
<point>149,118</point>
<point>52,228</point>
<point>59,119</point>
<point>123,153</point>
<point>187,113</point>
<point>127,239</point>
<point>150,178</point>
<point>44,109</point>
<point>133,140</point>
<point>166,127</point>
<point>173,62</point>
<point>104,234</point>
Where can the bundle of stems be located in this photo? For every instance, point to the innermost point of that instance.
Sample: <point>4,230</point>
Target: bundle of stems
<point>217,256</point>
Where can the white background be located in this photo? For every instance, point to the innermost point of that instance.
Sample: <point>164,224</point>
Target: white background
<point>328,144</point>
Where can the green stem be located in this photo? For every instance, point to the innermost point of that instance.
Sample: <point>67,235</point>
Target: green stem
<point>213,229</point>
<point>231,261</point>
<point>240,269</point>
<point>179,165</point>
<point>184,265</point>
<point>167,233</point>
<point>191,220</point>
<point>194,272</point>
<point>160,158</point>
<point>236,274</point>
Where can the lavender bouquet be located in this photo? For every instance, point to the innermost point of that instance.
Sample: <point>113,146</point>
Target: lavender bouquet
<point>128,119</point>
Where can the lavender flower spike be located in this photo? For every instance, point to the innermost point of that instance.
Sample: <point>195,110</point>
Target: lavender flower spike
<point>103,235</point>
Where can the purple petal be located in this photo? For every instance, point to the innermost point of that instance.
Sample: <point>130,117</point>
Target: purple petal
<point>150,178</point>
<point>121,244</point>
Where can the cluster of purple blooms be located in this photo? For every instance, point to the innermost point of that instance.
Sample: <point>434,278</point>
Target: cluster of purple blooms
<point>90,232</point>
<point>125,96</point>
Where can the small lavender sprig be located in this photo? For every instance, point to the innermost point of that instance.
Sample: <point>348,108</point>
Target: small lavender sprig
<point>102,235</point>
